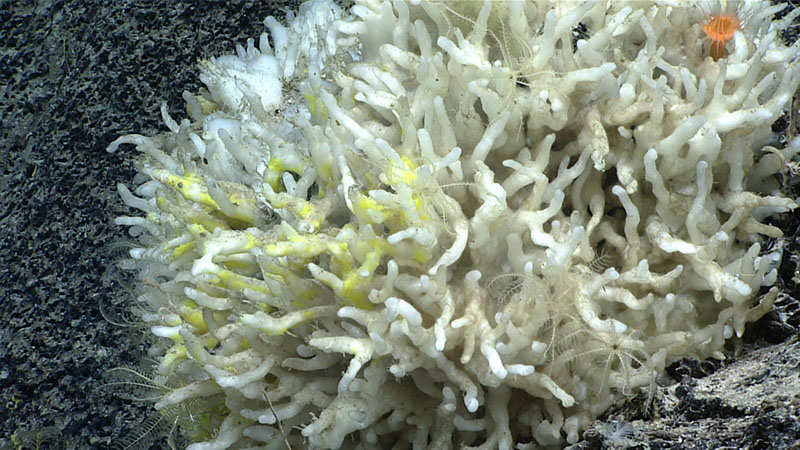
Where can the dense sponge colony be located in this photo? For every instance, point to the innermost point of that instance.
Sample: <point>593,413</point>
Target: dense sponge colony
<point>432,225</point>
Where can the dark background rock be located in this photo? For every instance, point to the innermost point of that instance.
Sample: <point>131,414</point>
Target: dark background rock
<point>74,75</point>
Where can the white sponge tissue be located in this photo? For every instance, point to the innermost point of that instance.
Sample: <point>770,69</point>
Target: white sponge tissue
<point>475,224</point>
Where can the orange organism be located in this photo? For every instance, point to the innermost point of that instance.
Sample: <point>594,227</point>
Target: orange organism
<point>719,29</point>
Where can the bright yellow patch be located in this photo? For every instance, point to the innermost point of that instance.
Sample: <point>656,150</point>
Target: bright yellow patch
<point>194,317</point>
